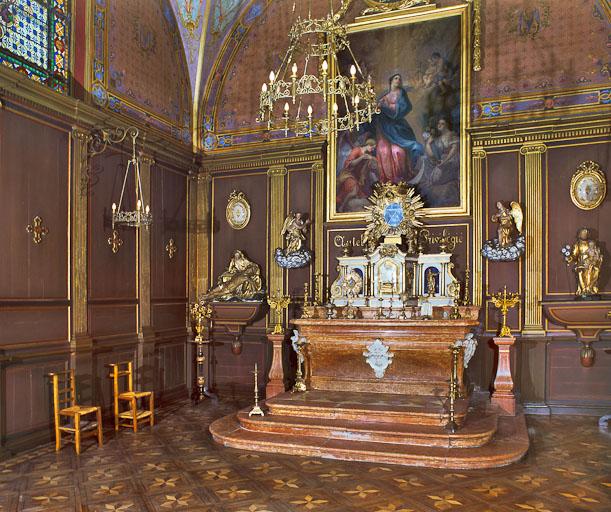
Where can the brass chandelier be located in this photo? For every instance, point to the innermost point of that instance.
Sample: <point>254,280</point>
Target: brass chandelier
<point>142,215</point>
<point>351,100</point>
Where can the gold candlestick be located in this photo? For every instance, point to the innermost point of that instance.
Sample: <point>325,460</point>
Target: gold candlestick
<point>504,301</point>
<point>466,300</point>
<point>452,426</point>
<point>278,303</point>
<point>306,294</point>
<point>201,313</point>
<point>256,410</point>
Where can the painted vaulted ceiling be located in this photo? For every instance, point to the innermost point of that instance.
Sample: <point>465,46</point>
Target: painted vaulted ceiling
<point>203,25</point>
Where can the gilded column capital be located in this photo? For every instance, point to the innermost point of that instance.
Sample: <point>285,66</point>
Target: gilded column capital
<point>277,170</point>
<point>81,134</point>
<point>147,159</point>
<point>318,167</point>
<point>478,153</point>
<point>535,147</point>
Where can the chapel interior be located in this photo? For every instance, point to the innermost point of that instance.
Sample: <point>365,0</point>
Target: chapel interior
<point>305,255</point>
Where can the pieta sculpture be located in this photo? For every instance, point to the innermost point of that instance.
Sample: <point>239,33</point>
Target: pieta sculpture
<point>241,281</point>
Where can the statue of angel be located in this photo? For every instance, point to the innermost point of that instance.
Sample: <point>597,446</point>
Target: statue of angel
<point>510,221</point>
<point>294,230</point>
<point>509,244</point>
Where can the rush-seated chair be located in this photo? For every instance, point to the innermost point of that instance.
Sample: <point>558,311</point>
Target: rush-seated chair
<point>131,417</point>
<point>65,406</point>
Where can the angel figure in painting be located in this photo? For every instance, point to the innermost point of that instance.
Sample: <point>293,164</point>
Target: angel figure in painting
<point>509,244</point>
<point>294,231</point>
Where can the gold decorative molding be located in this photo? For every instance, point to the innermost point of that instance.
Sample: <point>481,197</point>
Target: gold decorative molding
<point>171,248</point>
<point>276,176</point>
<point>277,170</point>
<point>319,211</point>
<point>115,242</point>
<point>478,156</point>
<point>200,192</point>
<point>533,289</point>
<point>540,131</point>
<point>273,154</point>
<point>37,230</point>
<point>477,34</point>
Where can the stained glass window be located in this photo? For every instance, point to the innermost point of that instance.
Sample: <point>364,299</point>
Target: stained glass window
<point>34,39</point>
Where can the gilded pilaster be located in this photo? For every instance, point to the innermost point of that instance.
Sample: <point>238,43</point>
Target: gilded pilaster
<point>146,348</point>
<point>80,141</point>
<point>533,290</point>
<point>478,157</point>
<point>201,223</point>
<point>319,176</point>
<point>276,176</point>
<point>144,251</point>
<point>81,358</point>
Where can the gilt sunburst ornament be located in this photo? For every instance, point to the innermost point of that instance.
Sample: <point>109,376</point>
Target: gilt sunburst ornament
<point>395,211</point>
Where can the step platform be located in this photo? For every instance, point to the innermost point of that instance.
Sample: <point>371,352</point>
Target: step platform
<point>381,428</point>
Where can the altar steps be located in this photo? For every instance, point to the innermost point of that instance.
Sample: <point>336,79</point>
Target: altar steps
<point>477,433</point>
<point>340,427</point>
<point>366,407</point>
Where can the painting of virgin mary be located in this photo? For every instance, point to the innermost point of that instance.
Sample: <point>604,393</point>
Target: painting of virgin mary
<point>418,134</point>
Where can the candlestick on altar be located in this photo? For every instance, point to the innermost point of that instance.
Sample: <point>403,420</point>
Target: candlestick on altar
<point>256,410</point>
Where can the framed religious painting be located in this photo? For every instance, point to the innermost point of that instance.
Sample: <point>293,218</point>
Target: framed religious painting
<point>419,65</point>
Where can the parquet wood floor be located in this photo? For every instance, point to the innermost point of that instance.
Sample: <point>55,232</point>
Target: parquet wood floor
<point>177,466</point>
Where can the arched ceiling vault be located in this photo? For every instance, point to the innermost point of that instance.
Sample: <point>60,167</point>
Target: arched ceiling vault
<point>204,25</point>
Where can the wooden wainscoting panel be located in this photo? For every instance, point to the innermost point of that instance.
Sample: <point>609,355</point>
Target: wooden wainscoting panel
<point>34,183</point>
<point>35,323</point>
<point>169,206</point>
<point>169,315</point>
<point>171,375</point>
<point>571,383</point>
<point>111,275</point>
<point>28,392</point>
<point>112,319</point>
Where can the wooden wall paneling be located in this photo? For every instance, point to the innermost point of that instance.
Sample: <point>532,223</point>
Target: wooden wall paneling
<point>170,380</point>
<point>232,375</point>
<point>300,197</point>
<point>28,394</point>
<point>503,183</point>
<point>112,295</point>
<point>574,388</point>
<point>564,218</point>
<point>169,200</point>
<point>34,183</point>
<point>34,280</point>
<point>250,239</point>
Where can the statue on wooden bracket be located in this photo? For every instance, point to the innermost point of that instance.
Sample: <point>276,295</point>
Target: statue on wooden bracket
<point>510,243</point>
<point>241,281</point>
<point>294,231</point>
<point>586,257</point>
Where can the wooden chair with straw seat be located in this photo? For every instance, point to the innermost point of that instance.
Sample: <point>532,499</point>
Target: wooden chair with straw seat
<point>65,406</point>
<point>131,417</point>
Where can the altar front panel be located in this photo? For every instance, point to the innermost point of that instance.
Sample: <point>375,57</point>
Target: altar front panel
<point>421,356</point>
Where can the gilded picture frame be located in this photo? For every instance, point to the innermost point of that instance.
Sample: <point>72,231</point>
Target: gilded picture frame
<point>426,68</point>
